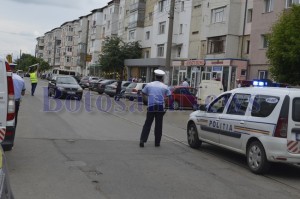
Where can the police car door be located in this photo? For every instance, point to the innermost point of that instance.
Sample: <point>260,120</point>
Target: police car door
<point>3,99</point>
<point>233,121</point>
<point>209,130</point>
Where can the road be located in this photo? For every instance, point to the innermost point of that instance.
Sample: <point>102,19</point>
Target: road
<point>89,149</point>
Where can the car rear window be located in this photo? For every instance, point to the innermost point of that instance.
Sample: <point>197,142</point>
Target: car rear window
<point>263,105</point>
<point>296,109</point>
<point>132,85</point>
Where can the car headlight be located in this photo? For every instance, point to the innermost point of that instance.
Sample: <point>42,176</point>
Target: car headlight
<point>80,89</point>
<point>60,88</point>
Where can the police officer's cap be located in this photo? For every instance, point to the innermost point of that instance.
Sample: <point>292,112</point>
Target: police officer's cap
<point>159,72</point>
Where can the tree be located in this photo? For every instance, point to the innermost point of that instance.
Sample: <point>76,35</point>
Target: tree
<point>284,47</point>
<point>27,60</point>
<point>115,51</point>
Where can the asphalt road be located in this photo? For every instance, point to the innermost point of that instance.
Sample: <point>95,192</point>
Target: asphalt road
<point>71,150</point>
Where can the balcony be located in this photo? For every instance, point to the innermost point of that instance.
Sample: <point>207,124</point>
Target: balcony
<point>137,6</point>
<point>135,24</point>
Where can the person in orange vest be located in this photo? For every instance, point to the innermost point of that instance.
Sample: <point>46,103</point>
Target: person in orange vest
<point>33,78</point>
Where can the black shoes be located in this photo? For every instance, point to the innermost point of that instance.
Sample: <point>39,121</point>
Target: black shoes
<point>141,144</point>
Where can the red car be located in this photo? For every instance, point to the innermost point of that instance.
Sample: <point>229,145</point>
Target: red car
<point>183,97</point>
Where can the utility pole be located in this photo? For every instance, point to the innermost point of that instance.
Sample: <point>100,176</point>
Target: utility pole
<point>170,37</point>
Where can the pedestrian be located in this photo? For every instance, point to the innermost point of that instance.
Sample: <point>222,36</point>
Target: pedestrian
<point>155,91</point>
<point>33,78</point>
<point>19,90</point>
<point>118,90</point>
<point>185,83</point>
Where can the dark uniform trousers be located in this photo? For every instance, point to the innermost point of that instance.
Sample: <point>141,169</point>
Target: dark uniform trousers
<point>157,112</point>
<point>17,106</point>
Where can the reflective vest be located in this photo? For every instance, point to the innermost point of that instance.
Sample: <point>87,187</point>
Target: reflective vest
<point>33,77</point>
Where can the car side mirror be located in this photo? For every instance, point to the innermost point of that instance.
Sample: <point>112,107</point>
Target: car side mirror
<point>202,107</point>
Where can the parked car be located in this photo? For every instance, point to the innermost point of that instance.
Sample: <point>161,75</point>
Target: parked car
<point>102,84</point>
<point>94,83</point>
<point>182,97</point>
<point>260,123</point>
<point>85,81</point>
<point>111,88</point>
<point>134,90</point>
<point>64,87</point>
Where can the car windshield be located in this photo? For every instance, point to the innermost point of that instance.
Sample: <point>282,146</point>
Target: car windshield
<point>66,80</point>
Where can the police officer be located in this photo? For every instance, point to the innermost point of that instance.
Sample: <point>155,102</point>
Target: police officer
<point>33,78</point>
<point>19,89</point>
<point>155,91</point>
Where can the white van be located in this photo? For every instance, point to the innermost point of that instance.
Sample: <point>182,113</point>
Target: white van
<point>261,123</point>
<point>7,106</point>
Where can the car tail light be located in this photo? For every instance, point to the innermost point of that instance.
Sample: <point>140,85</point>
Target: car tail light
<point>11,95</point>
<point>281,128</point>
<point>134,90</point>
<point>282,123</point>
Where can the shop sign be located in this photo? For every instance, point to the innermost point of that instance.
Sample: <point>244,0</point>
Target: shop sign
<point>199,62</point>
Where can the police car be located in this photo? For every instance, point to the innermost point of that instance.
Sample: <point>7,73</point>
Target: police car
<point>262,123</point>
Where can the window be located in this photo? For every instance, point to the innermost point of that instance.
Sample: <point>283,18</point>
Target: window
<point>180,28</point>
<point>69,48</point>
<point>105,17</point>
<point>103,32</point>
<point>262,74</point>
<point>110,11</point>
<point>68,59</point>
<point>289,3</point>
<point>218,105</point>
<point>161,5</point>
<point>93,43</point>
<point>108,25</point>
<point>243,72</point>
<point>147,35</point>
<point>160,50</point>
<point>58,51</point>
<point>216,45</point>
<point>264,41</point>
<point>70,29</point>
<point>218,15</point>
<point>179,51</point>
<point>79,34</point>
<point>296,110</point>
<point>248,47</point>
<point>69,38</point>
<point>249,15</point>
<point>120,10</point>
<point>182,6</point>
<point>268,5</point>
<point>162,26</point>
<point>239,104</point>
<point>150,15</point>
<point>263,105</point>
<point>147,53</point>
<point>131,34</point>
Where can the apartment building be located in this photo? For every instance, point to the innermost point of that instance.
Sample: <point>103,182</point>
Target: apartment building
<point>82,40</point>
<point>265,13</point>
<point>39,48</point>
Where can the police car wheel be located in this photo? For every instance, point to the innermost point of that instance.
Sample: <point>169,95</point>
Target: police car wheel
<point>256,158</point>
<point>192,135</point>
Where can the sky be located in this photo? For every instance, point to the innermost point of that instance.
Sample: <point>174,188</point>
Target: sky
<point>22,21</point>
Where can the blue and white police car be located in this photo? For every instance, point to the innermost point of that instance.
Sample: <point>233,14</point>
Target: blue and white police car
<point>262,123</point>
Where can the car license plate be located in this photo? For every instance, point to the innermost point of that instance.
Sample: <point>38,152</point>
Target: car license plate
<point>71,92</point>
<point>298,136</point>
